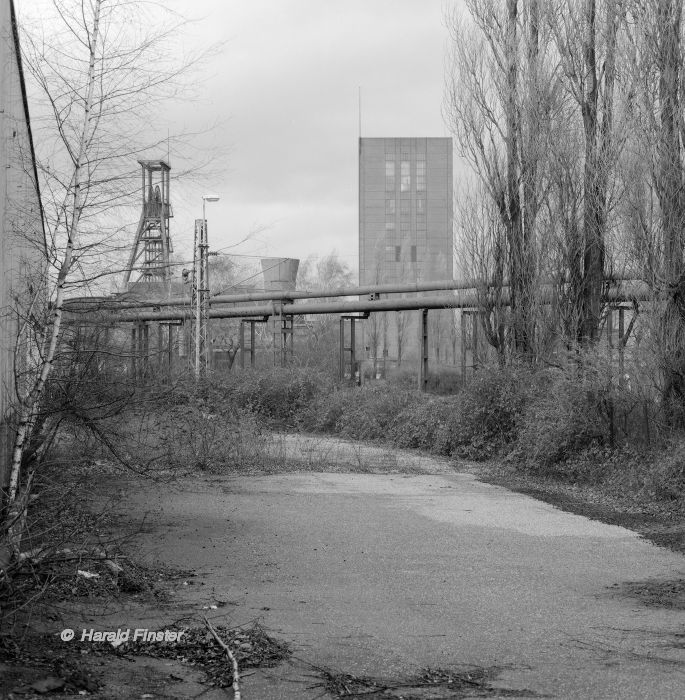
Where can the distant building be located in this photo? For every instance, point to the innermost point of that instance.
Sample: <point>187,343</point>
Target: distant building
<point>405,209</point>
<point>22,239</point>
<point>405,226</point>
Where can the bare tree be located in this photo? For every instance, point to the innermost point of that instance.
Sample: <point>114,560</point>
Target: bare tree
<point>586,37</point>
<point>481,247</point>
<point>654,172</point>
<point>92,67</point>
<point>498,104</point>
<point>326,273</point>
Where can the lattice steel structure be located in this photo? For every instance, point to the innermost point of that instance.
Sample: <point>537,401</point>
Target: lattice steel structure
<point>149,259</point>
<point>200,297</point>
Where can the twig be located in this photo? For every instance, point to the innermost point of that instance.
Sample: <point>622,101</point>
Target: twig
<point>232,659</point>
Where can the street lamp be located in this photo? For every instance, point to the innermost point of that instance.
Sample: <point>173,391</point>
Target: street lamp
<point>208,198</point>
<point>201,288</point>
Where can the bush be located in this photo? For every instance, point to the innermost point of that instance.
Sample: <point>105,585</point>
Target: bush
<point>476,423</point>
<point>324,412</point>
<point>364,413</point>
<point>662,476</point>
<point>487,412</point>
<point>274,394</point>
<point>559,420</point>
<point>424,424</point>
<point>210,441</point>
<point>445,381</point>
<point>441,380</point>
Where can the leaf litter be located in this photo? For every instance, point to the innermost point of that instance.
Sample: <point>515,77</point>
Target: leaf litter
<point>427,684</point>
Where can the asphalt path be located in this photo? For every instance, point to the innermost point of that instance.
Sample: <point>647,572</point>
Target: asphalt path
<point>384,574</point>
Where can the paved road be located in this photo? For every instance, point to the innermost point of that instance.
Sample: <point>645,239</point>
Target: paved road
<point>384,574</point>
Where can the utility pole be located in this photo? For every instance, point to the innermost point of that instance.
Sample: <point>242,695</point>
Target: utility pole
<point>200,299</point>
<point>200,296</point>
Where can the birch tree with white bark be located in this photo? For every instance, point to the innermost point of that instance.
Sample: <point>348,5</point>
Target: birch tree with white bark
<point>100,71</point>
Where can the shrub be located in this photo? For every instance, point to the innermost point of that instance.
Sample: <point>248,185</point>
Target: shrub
<point>211,441</point>
<point>324,412</point>
<point>445,381</point>
<point>423,424</point>
<point>662,477</point>
<point>276,394</point>
<point>369,411</point>
<point>476,423</point>
<point>487,412</point>
<point>563,417</point>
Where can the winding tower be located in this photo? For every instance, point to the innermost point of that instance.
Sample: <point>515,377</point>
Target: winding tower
<point>148,263</point>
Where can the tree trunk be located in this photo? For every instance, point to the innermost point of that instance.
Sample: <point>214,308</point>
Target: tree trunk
<point>513,218</point>
<point>29,405</point>
<point>672,205</point>
<point>598,147</point>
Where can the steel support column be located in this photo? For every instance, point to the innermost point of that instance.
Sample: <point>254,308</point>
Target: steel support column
<point>170,352</point>
<point>621,341</point>
<point>463,316</point>
<point>144,336</point>
<point>241,344</point>
<point>350,349</point>
<point>341,368</point>
<point>282,338</point>
<point>243,348</point>
<point>621,346</point>
<point>423,350</point>
<point>160,349</point>
<point>140,350</point>
<point>134,351</point>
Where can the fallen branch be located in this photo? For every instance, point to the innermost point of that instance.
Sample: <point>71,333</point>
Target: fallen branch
<point>232,659</point>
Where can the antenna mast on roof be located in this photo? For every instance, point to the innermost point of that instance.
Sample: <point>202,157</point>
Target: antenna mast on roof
<point>360,110</point>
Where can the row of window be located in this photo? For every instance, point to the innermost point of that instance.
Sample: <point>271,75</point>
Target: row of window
<point>405,176</point>
<point>405,206</point>
<point>405,227</point>
<point>393,253</point>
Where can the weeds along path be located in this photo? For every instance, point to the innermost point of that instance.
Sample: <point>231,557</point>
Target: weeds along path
<point>375,564</point>
<point>316,452</point>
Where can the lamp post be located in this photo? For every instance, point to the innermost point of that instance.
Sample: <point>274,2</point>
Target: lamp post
<point>201,289</point>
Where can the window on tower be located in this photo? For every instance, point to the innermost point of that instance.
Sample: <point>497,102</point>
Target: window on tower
<point>405,176</point>
<point>390,175</point>
<point>420,175</point>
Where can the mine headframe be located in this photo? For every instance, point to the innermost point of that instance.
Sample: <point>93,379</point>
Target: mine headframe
<point>149,259</point>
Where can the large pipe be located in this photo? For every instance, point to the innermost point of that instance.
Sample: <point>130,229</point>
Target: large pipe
<point>622,292</point>
<point>280,308</point>
<point>405,288</point>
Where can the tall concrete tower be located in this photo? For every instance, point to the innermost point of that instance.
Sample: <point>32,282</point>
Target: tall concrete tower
<point>405,231</point>
<point>405,209</point>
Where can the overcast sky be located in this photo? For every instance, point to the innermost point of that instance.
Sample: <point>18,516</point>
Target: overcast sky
<point>284,86</point>
<point>287,80</point>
